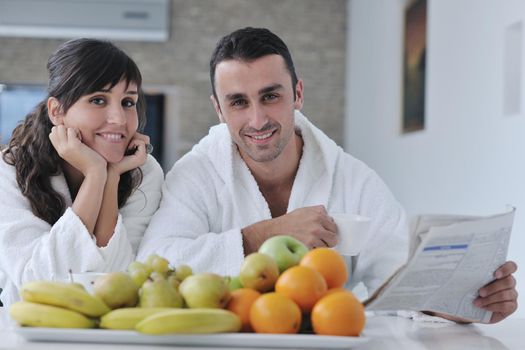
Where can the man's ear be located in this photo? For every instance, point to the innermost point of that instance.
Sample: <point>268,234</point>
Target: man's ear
<point>217,108</point>
<point>299,97</point>
<point>54,111</point>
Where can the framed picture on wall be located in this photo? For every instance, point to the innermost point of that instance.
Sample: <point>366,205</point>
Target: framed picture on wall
<point>414,64</point>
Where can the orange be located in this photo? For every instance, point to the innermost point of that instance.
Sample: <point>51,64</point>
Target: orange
<point>275,313</point>
<point>303,285</point>
<point>240,303</point>
<point>334,290</point>
<point>328,263</point>
<point>339,313</point>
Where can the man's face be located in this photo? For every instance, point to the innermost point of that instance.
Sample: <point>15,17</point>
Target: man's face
<point>256,100</point>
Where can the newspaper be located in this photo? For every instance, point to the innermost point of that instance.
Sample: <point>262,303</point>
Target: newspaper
<point>452,257</point>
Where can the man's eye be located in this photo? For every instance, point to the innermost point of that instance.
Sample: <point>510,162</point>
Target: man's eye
<point>238,103</point>
<point>270,97</point>
<point>128,103</point>
<point>97,101</point>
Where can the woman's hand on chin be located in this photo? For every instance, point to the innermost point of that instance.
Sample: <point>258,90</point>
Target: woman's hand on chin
<point>136,158</point>
<point>69,146</point>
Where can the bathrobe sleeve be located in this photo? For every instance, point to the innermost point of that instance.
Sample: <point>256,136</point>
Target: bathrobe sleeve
<point>188,227</point>
<point>31,249</point>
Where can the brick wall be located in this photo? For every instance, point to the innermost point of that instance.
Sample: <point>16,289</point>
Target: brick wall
<point>314,30</point>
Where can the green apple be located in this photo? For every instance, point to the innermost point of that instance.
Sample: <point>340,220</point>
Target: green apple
<point>233,282</point>
<point>285,250</point>
<point>116,289</point>
<point>259,271</point>
<point>205,290</point>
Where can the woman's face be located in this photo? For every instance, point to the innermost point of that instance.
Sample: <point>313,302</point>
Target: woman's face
<point>106,120</point>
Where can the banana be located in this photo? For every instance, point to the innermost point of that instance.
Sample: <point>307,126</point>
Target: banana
<point>78,285</point>
<point>39,315</point>
<point>190,321</point>
<point>63,295</point>
<point>128,317</point>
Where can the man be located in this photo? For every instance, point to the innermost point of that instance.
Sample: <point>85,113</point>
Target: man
<point>265,171</point>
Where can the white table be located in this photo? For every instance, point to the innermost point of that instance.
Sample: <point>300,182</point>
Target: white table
<point>384,332</point>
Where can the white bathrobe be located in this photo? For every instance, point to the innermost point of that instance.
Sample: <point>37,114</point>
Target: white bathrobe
<point>210,195</point>
<point>31,249</point>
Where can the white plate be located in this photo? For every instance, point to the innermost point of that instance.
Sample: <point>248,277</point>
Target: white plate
<point>228,339</point>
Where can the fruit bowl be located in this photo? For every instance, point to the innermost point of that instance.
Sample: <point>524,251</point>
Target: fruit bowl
<point>226,340</point>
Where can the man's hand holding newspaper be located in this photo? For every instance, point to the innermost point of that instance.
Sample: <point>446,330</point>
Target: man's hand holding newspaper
<point>499,297</point>
<point>457,270</point>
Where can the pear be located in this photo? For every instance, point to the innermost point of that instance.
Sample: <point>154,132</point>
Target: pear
<point>205,290</point>
<point>173,281</point>
<point>259,271</point>
<point>157,292</point>
<point>158,264</point>
<point>183,271</point>
<point>116,289</point>
<point>139,272</point>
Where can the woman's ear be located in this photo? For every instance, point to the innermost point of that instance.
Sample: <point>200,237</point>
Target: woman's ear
<point>54,111</point>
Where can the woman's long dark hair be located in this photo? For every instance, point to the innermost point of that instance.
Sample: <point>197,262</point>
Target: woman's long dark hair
<point>78,67</point>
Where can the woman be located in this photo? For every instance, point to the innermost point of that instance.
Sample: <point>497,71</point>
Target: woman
<point>77,185</point>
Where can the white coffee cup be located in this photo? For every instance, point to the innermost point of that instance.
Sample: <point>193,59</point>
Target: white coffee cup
<point>87,279</point>
<point>352,231</point>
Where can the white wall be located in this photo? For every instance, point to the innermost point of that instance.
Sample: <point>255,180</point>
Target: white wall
<point>470,159</point>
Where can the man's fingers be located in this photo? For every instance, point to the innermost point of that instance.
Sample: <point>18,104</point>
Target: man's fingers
<point>318,209</point>
<point>328,223</point>
<point>328,238</point>
<point>502,296</point>
<point>505,307</point>
<point>497,285</point>
<point>506,269</point>
<point>320,239</point>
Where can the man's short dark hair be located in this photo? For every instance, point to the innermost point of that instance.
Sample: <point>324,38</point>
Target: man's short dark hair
<point>249,44</point>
